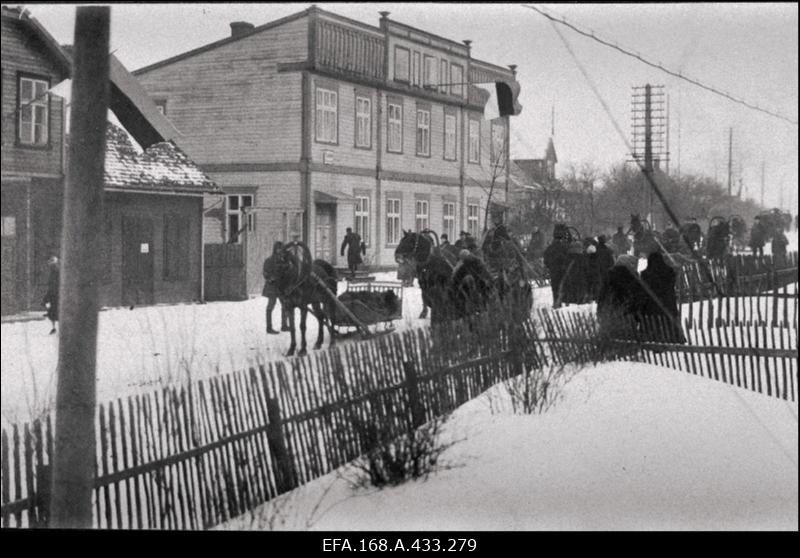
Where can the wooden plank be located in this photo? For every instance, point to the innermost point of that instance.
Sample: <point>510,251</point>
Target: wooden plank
<point>116,489</point>
<point>29,475</point>
<point>132,436</point>
<point>104,458</point>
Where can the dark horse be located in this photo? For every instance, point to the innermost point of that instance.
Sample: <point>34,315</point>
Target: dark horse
<point>299,281</point>
<point>511,272</point>
<point>406,272</point>
<point>645,239</point>
<point>450,291</point>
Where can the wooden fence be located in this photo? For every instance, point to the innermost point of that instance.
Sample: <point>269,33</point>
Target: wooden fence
<point>191,457</point>
<point>194,456</point>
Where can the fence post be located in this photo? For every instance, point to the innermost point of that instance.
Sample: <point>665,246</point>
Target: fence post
<point>414,401</point>
<point>43,480</point>
<point>285,477</point>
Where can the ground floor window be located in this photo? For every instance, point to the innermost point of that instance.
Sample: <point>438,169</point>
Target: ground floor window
<point>422,222</point>
<point>392,221</point>
<point>362,218</point>
<point>238,219</point>
<point>449,219</point>
<point>472,219</point>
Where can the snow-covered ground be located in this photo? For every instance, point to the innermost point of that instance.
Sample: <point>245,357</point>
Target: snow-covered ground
<point>628,446</point>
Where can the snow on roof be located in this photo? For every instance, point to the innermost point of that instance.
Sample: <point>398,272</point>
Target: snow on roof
<point>161,168</point>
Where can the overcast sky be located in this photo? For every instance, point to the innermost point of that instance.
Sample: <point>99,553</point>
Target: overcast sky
<point>747,50</point>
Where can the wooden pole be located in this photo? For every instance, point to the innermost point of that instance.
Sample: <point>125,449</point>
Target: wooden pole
<point>74,459</point>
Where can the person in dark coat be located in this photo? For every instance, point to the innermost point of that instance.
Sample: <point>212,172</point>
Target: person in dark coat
<point>575,288</point>
<point>355,248</point>
<point>556,260</point>
<point>758,237</point>
<point>461,243</point>
<point>593,273</point>
<point>50,300</point>
<point>271,290</point>
<point>536,246</point>
<point>620,242</point>
<point>661,301</point>
<point>779,244</point>
<point>605,256</point>
<point>619,300</point>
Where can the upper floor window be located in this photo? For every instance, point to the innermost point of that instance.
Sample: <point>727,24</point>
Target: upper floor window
<point>450,130</point>
<point>363,122</point>
<point>456,80</point>
<point>327,116</point>
<point>498,143</point>
<point>423,132</point>
<point>33,111</point>
<point>395,128</point>
<point>238,219</point>
<point>474,141</point>
<point>415,69</point>
<point>401,64</point>
<point>443,76</point>
<point>429,72</point>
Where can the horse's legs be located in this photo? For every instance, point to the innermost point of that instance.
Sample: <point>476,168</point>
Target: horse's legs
<point>303,315</point>
<point>318,314</point>
<point>290,316</point>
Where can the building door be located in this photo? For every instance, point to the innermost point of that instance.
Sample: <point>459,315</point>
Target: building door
<point>325,233</point>
<point>137,260</point>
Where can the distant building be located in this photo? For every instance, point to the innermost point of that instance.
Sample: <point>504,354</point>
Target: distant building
<point>316,122</point>
<point>154,196</point>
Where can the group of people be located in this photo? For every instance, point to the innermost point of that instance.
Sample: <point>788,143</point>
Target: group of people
<point>759,233</point>
<point>576,268</point>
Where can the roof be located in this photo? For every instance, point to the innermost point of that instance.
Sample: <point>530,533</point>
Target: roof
<point>60,57</point>
<point>161,168</point>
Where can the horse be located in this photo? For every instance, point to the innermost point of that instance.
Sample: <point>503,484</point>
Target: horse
<point>510,271</point>
<point>645,239</point>
<point>296,277</point>
<point>450,291</point>
<point>406,271</point>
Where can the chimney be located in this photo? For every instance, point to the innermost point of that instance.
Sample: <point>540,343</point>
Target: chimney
<point>239,28</point>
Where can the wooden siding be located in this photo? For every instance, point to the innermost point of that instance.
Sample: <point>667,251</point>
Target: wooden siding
<point>230,103</point>
<point>22,52</point>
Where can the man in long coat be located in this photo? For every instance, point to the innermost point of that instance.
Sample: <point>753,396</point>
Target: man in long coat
<point>355,248</point>
<point>556,260</point>
<point>620,242</point>
<point>661,301</point>
<point>50,300</point>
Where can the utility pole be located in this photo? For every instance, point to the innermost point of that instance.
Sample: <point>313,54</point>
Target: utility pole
<point>648,148</point>
<point>649,137</point>
<point>763,163</point>
<point>74,449</point>
<point>667,134</point>
<point>730,160</point>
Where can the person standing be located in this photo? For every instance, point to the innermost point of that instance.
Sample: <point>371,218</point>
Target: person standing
<point>758,237</point>
<point>536,246</point>
<point>50,300</point>
<point>660,299</point>
<point>779,244</point>
<point>620,299</point>
<point>620,242</point>
<point>271,291</point>
<point>355,248</point>
<point>556,260</point>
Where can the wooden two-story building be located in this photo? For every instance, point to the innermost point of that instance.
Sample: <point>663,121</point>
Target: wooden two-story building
<point>153,203</point>
<point>33,156</point>
<point>316,122</point>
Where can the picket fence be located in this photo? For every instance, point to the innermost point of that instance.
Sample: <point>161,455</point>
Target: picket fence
<point>194,456</point>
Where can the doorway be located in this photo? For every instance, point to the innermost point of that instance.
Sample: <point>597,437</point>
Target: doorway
<point>137,261</point>
<point>325,233</point>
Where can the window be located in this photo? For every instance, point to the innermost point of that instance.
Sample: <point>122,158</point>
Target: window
<point>429,75</point>
<point>474,141</point>
<point>327,116</point>
<point>415,69</point>
<point>292,225</point>
<point>450,137</point>
<point>498,143</point>
<point>238,219</point>
<point>363,122</point>
<point>449,219</point>
<point>472,219</point>
<point>395,128</point>
<point>362,218</point>
<point>423,132</point>
<point>392,221</point>
<point>401,64</point>
<point>176,247</point>
<point>456,80</point>
<point>9,226</point>
<point>161,106</point>
<point>33,111</point>
<point>422,215</point>
<point>443,76</point>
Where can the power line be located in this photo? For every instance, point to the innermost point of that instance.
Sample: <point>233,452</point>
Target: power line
<point>658,66</point>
